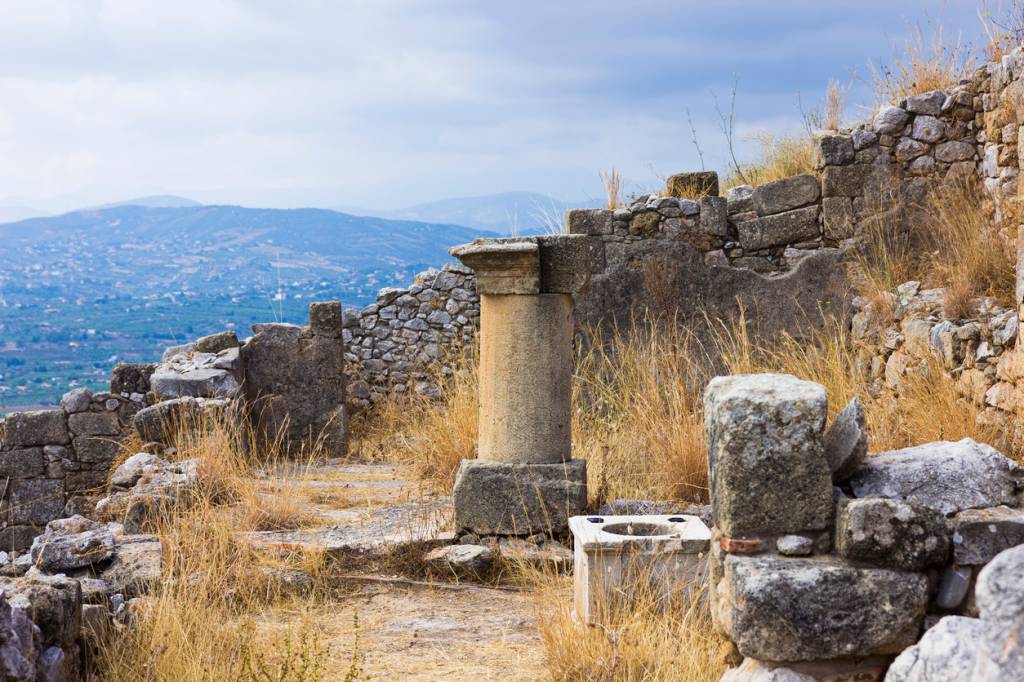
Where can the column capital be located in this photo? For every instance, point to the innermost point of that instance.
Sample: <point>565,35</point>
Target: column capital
<point>528,265</point>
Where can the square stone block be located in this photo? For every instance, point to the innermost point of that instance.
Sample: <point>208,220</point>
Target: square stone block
<point>615,556</point>
<point>40,427</point>
<point>36,501</point>
<point>508,498</point>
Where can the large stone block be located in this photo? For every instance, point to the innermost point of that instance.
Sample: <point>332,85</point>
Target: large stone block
<point>128,379</point>
<point>41,427</point>
<point>768,469</point>
<point>845,181</point>
<point>786,194</point>
<point>947,653</point>
<point>832,149</point>
<point>837,218</point>
<point>161,421</point>
<point>36,501</point>
<point>22,462</point>
<point>799,225</point>
<point>94,424</point>
<point>215,343</point>
<point>692,185</point>
<point>505,498</point>
<point>96,449</point>
<point>782,609</point>
<point>326,319</point>
<point>589,221</point>
<point>714,219</point>
<point>945,476</point>
<point>980,534</point>
<point>891,533</point>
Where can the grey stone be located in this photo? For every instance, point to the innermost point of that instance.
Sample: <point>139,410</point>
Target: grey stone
<point>779,229</point>
<point>832,149</point>
<point>794,545</point>
<point>945,476</point>
<point>589,221</point>
<point>55,602</point>
<point>18,643</point>
<point>767,463</point>
<point>564,264</point>
<point>96,449</point>
<point>193,381</point>
<point>41,427</point>
<point>137,565</point>
<point>752,670</point>
<point>890,120</point>
<point>863,138</point>
<point>714,216</point>
<point>845,181</point>
<point>998,591</point>
<point>94,424</point>
<point>980,534</point>
<point>127,379</point>
<point>295,385</point>
<point>928,129</point>
<point>460,560</point>
<point>950,152</point>
<point>947,653</point>
<point>72,543</point>
<point>215,343</point>
<point>160,422</point>
<point>846,441</point>
<point>908,149</point>
<point>326,319</point>
<point>928,103</point>
<point>891,533</point>
<point>499,498</point>
<point>36,501</point>
<point>786,194</point>
<point>792,609</point>
<point>739,199</point>
<point>692,185</point>
<point>133,468</point>
<point>77,400</point>
<point>837,218</point>
<point>954,583</point>
<point>22,462</point>
<point>183,350</point>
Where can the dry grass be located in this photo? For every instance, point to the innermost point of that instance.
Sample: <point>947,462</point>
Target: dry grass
<point>1003,23</point>
<point>612,182</point>
<point>931,61</point>
<point>835,106</point>
<point>780,157</point>
<point>205,619</point>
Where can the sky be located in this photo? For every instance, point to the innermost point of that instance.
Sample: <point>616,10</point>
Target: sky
<point>386,103</point>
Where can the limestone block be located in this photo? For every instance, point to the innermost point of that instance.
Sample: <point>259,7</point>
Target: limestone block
<point>589,221</point>
<point>786,194</point>
<point>78,400</point>
<point>73,543</point>
<point>767,463</point>
<point>214,343</point>
<point>890,120</point>
<point>462,561</point>
<point>980,534</point>
<point>845,181</point>
<point>96,449</point>
<point>947,653</point>
<point>160,422</point>
<point>928,129</point>
<point>137,565</point>
<point>127,379</point>
<point>41,427</point>
<point>780,229</point>
<point>956,150</point>
<point>564,263</point>
<point>740,199</point>
<point>94,424</point>
<point>837,218</point>
<point>619,558</point>
<point>22,462</point>
<point>946,476</point>
<point>998,592</point>
<point>891,533</point>
<point>832,149</point>
<point>846,441</point>
<point>326,319</point>
<point>502,266</point>
<point>36,501</point>
<point>928,103</point>
<point>692,185</point>
<point>908,149</point>
<point>196,378</point>
<point>505,498</point>
<point>714,216</point>
<point>802,609</point>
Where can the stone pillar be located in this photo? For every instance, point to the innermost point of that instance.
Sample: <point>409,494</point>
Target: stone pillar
<point>524,479</point>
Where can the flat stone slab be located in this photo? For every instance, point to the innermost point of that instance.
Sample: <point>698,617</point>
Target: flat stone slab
<point>374,533</point>
<point>980,534</point>
<point>947,476</point>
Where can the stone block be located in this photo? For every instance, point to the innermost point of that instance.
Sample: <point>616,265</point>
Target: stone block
<point>928,129</point>
<point>160,422</point>
<point>325,319</point>
<point>845,181</point>
<point>127,379</point>
<point>41,427</point>
<point>78,400</point>
<point>948,477</point>
<point>786,194</point>
<point>94,424</point>
<point>564,264</point>
<point>96,449</point>
<point>18,537</point>
<point>197,379</point>
<point>927,103</point>
<point>714,216</point>
<point>502,266</point>
<point>951,152</point>
<point>846,441</point>
<point>692,185</point>
<point>780,229</point>
<point>215,343</point>
<point>832,149</point>
<point>890,120</point>
<point>998,592</point>
<point>768,469</point>
<point>946,653</point>
<point>36,501</point>
<point>589,221</point>
<point>740,199</point>
<point>803,609</point>
<point>499,498</point>
<point>980,534</point>
<point>891,533</point>
<point>837,218</point>
<point>618,558</point>
<point>22,462</point>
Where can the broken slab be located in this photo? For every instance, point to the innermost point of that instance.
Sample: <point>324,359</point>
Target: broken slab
<point>796,609</point>
<point>846,441</point>
<point>765,454</point>
<point>947,476</point>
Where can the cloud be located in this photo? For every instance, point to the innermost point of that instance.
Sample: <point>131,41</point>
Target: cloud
<point>392,102</point>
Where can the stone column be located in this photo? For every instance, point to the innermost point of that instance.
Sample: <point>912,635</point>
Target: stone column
<point>524,480</point>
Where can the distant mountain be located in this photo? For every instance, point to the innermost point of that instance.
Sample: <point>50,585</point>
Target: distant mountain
<point>154,201</point>
<point>507,212</point>
<point>9,214</point>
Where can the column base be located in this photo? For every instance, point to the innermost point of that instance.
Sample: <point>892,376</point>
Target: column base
<point>503,498</point>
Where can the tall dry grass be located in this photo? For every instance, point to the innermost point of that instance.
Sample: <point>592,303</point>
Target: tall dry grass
<point>1003,24</point>
<point>612,183</point>
<point>930,60</point>
<point>207,618</point>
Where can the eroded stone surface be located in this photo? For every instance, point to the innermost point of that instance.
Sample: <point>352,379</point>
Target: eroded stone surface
<point>980,534</point>
<point>892,533</point>
<point>846,441</point>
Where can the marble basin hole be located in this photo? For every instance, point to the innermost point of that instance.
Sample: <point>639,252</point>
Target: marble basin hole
<point>643,530</point>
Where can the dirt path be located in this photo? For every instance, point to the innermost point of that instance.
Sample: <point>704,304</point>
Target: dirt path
<point>406,632</point>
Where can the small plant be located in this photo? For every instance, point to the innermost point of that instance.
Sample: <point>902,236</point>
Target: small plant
<point>612,182</point>
<point>299,658</point>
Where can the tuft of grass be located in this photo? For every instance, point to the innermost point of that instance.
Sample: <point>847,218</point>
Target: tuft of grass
<point>780,157</point>
<point>1004,28</point>
<point>612,182</point>
<point>930,61</point>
